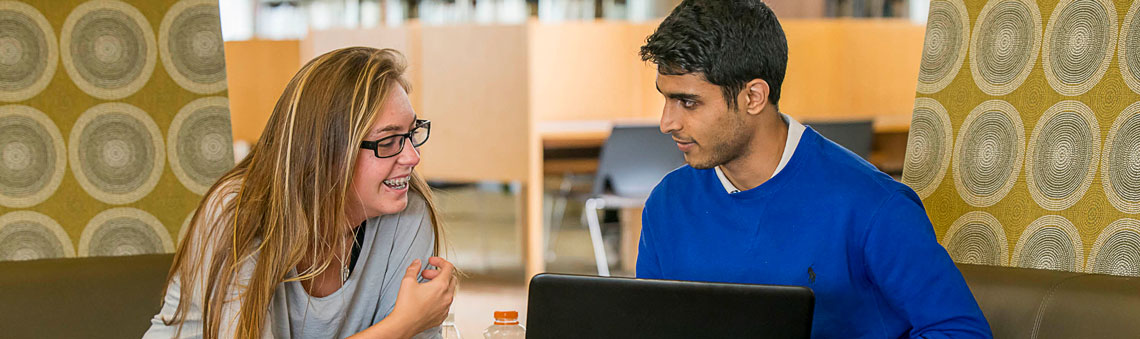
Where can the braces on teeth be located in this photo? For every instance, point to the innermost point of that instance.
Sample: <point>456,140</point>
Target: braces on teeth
<point>397,183</point>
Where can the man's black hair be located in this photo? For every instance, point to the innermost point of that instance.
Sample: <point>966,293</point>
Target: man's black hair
<point>730,42</point>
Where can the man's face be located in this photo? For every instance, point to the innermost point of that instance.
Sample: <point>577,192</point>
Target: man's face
<point>696,115</point>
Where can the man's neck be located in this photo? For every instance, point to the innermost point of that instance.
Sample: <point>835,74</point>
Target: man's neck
<point>761,157</point>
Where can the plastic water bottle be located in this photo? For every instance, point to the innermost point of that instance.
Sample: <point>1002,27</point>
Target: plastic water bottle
<point>506,327</point>
<point>448,328</point>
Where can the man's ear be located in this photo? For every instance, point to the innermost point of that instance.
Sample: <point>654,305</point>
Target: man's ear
<point>755,95</point>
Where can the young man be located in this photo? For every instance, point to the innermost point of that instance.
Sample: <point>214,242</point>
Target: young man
<point>766,200</point>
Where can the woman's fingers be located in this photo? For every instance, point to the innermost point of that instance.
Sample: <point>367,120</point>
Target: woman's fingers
<point>430,274</point>
<point>413,270</point>
<point>446,269</point>
<point>439,264</point>
<point>436,261</point>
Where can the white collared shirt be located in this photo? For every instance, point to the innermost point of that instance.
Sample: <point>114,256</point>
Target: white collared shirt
<point>795,131</point>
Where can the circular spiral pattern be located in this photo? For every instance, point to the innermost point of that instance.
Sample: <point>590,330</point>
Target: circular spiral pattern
<point>977,238</point>
<point>191,41</point>
<point>988,153</point>
<point>944,48</point>
<point>1018,208</point>
<point>1079,42</point>
<point>961,95</point>
<point>1051,242</point>
<point>1121,161</point>
<point>1129,52</point>
<point>1004,46</point>
<point>945,215</point>
<point>199,143</point>
<point>1108,96</point>
<point>28,52</point>
<point>108,49</point>
<point>124,231</point>
<point>928,147</point>
<point>32,156</point>
<point>1034,99</point>
<point>1117,249</point>
<point>116,153</point>
<point>1093,214</point>
<point>27,235</point>
<point>1064,150</point>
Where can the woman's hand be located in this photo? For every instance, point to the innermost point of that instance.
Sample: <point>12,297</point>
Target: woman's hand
<point>425,305</point>
<point>431,274</point>
<point>419,306</point>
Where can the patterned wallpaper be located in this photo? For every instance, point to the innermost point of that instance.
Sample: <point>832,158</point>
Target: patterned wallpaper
<point>113,123</point>
<point>1025,140</point>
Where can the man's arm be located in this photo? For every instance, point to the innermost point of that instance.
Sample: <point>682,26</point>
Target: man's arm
<point>647,265</point>
<point>916,275</point>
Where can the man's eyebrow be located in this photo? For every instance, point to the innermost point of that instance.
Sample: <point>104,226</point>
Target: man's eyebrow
<point>678,96</point>
<point>682,96</point>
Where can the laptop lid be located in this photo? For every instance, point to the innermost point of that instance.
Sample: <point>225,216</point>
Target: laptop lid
<point>574,306</point>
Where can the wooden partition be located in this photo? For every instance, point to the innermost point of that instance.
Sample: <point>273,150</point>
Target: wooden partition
<point>589,71</point>
<point>404,39</point>
<point>257,72</point>
<point>475,84</point>
<point>837,69</point>
<point>852,69</point>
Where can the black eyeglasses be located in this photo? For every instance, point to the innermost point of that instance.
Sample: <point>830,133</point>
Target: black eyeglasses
<point>391,146</point>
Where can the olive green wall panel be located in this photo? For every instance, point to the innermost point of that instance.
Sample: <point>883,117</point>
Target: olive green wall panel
<point>113,123</point>
<point>1025,140</point>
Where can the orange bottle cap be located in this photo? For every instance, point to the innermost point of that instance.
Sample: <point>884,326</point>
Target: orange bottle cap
<point>506,315</point>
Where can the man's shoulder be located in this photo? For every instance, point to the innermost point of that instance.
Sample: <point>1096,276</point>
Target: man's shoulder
<point>834,175</point>
<point>839,169</point>
<point>680,174</point>
<point>681,178</point>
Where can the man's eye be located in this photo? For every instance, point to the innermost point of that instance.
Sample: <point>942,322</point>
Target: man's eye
<point>688,103</point>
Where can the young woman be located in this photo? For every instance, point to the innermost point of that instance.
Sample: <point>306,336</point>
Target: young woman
<point>321,231</point>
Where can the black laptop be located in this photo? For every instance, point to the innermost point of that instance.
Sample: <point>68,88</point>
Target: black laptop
<point>574,306</point>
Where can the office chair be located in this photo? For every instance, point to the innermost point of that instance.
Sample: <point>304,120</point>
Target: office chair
<point>632,161</point>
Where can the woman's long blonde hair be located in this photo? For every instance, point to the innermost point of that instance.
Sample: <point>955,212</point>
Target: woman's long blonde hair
<point>285,201</point>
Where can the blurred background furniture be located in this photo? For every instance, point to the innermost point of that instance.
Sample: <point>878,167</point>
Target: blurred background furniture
<point>114,297</point>
<point>632,162</point>
<point>1032,303</point>
<point>856,136</point>
<point>97,297</point>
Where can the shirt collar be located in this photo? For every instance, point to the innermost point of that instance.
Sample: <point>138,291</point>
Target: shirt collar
<point>795,132</point>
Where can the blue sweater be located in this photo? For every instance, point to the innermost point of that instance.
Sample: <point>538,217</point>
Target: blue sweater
<point>829,221</point>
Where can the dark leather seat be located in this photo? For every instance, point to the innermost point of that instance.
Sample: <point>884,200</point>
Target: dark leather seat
<point>115,297</point>
<point>1029,303</point>
<point>104,297</point>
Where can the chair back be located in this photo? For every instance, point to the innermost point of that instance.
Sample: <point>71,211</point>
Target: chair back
<point>855,136</point>
<point>634,159</point>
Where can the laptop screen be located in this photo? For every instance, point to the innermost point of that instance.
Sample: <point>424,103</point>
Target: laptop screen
<point>573,306</point>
